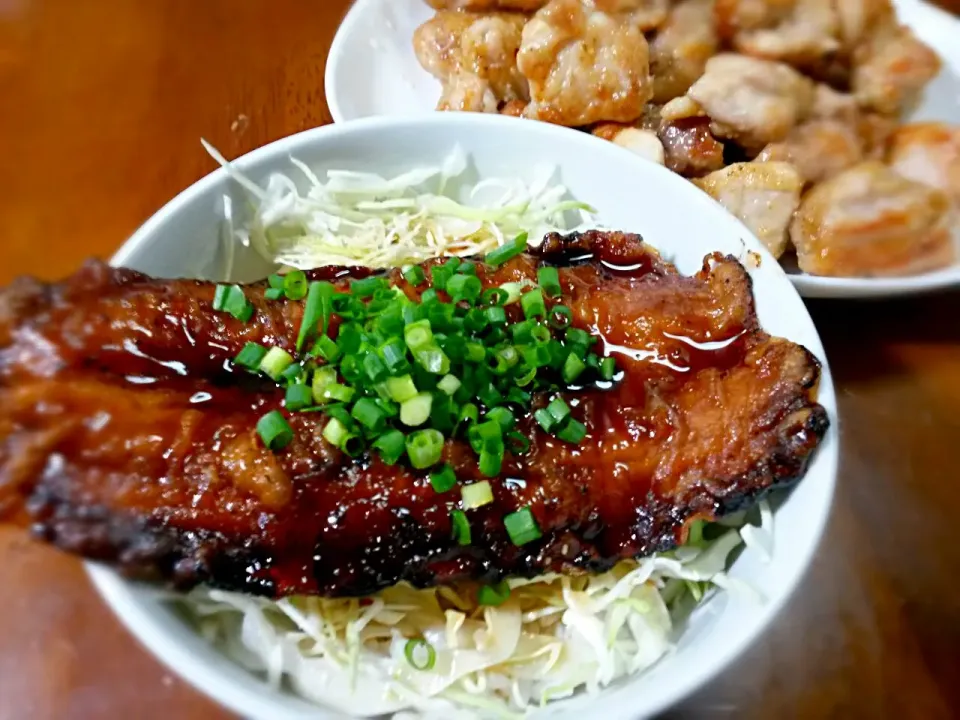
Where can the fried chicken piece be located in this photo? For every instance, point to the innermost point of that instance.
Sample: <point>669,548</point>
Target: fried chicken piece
<point>798,32</point>
<point>871,221</point>
<point>680,49</point>
<point>488,5</point>
<point>751,101</point>
<point>819,149</point>
<point>858,18</point>
<point>690,149</point>
<point>584,65</point>
<point>928,153</point>
<point>891,68</point>
<point>762,195</point>
<point>644,143</point>
<point>474,56</point>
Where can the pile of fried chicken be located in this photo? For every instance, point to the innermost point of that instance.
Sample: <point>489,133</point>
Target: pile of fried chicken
<point>788,112</point>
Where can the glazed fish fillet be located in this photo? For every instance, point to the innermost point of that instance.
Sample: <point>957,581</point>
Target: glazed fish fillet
<point>127,435</point>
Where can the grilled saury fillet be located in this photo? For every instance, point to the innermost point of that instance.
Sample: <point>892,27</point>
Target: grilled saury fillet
<point>127,435</point>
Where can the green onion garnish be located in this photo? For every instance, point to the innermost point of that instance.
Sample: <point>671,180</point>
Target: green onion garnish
<point>507,251</point>
<point>250,356</point>
<point>326,349</point>
<point>274,430</point>
<point>559,410</point>
<point>476,495</point>
<point>464,287</point>
<point>494,595</point>
<point>416,410</point>
<point>273,293</point>
<point>522,527</point>
<point>443,479</point>
<point>316,312</point>
<point>298,397</point>
<point>295,285</point>
<point>572,368</point>
<point>491,459</point>
<point>573,432</point>
<point>420,654</point>
<point>366,287</point>
<point>448,384</point>
<point>391,445</point>
<point>461,527</point>
<point>366,412</point>
<point>231,299</point>
<point>608,368</point>
<point>401,388</point>
<point>414,275</point>
<point>275,361</point>
<point>424,448</point>
<point>275,282</point>
<point>560,317</point>
<point>503,417</point>
<point>549,281</point>
<point>533,304</point>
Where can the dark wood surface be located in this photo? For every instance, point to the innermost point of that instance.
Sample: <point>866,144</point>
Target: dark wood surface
<point>102,103</point>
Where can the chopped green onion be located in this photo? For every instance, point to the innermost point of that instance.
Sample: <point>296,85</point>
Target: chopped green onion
<point>273,293</point>
<point>474,352</point>
<point>468,414</point>
<point>467,268</point>
<point>429,295</point>
<point>496,315</point>
<point>522,527</point>
<point>494,595</point>
<point>337,393</point>
<point>366,287</point>
<point>232,300</point>
<point>335,432</point>
<point>443,479</point>
<point>491,459</point>
<point>275,362</point>
<point>464,287</point>
<point>366,412</point>
<point>295,285</point>
<point>293,374</point>
<point>572,367</point>
<point>476,495</point>
<point>519,443</point>
<point>507,251</point>
<point>326,348</point>
<point>394,354</point>
<point>576,336</point>
<point>503,417</point>
<point>422,647</point>
<point>533,304</point>
<point>391,446</point>
<point>608,368</point>
<point>544,419</point>
<point>489,395</point>
<point>298,397</point>
<point>573,432</point>
<point>251,356</point>
<point>414,275</point>
<point>513,290</point>
<point>559,410</point>
<point>275,282</point>
<point>416,410</point>
<point>540,334</point>
<point>374,368</point>
<point>494,296</point>
<point>418,335</point>
<point>316,311</point>
<point>323,377</point>
<point>448,384</point>
<point>560,317</point>
<point>461,527</point>
<point>424,448</point>
<point>220,295</point>
<point>401,388</point>
<point>274,430</point>
<point>549,280</point>
<point>439,276</point>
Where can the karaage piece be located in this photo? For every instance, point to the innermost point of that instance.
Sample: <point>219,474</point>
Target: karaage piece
<point>488,5</point>
<point>763,195</point>
<point>858,18</point>
<point>891,68</point>
<point>680,49</point>
<point>690,149</point>
<point>474,56</point>
<point>799,32</point>
<point>819,149</point>
<point>871,221</point>
<point>644,143</point>
<point>750,101</point>
<point>928,153</point>
<point>584,65</point>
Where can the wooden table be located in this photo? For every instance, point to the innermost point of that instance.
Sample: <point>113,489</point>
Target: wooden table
<point>102,103</point>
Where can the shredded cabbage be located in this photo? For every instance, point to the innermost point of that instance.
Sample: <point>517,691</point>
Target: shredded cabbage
<point>555,635</point>
<point>358,218</point>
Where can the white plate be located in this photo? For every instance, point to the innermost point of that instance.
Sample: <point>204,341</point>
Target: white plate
<point>683,222</point>
<point>372,70</point>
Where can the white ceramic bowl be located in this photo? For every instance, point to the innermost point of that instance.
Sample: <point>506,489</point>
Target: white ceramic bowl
<point>630,194</point>
<point>372,71</point>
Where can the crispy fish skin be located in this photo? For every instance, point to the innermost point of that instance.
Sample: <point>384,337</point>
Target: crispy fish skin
<point>168,480</point>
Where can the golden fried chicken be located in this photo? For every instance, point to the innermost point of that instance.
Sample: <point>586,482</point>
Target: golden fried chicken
<point>928,153</point>
<point>474,56</point>
<point>871,221</point>
<point>751,101</point>
<point>487,5</point>
<point>818,149</point>
<point>584,65</point>
<point>891,68</point>
<point>680,49</point>
<point>690,149</point>
<point>763,195</point>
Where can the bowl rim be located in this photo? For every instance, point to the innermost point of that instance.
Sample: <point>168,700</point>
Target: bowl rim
<point>224,681</point>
